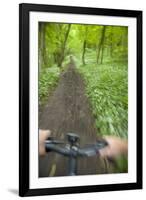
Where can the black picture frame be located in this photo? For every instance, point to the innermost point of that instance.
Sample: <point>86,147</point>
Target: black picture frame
<point>24,9</point>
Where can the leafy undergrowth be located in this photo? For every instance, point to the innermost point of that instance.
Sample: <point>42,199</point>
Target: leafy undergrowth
<point>48,79</point>
<point>106,88</point>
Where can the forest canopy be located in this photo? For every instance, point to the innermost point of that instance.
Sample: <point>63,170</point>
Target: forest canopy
<point>57,41</point>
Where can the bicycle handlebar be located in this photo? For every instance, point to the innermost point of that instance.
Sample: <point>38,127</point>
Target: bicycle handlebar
<point>73,150</point>
<point>53,147</point>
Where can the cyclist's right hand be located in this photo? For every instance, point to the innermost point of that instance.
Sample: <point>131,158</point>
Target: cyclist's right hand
<point>115,148</point>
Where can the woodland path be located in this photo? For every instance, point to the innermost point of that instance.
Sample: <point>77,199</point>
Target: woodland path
<point>68,110</point>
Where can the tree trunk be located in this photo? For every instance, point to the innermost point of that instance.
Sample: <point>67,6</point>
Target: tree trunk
<point>102,52</point>
<point>100,46</point>
<point>84,46</point>
<point>84,50</point>
<point>62,55</point>
<point>42,46</point>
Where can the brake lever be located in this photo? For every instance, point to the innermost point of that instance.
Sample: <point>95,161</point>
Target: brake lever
<point>100,144</point>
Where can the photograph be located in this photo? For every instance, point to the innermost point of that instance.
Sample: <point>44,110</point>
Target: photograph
<point>80,99</point>
<point>83,99</point>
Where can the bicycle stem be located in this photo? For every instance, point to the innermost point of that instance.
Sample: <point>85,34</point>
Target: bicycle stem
<point>72,168</point>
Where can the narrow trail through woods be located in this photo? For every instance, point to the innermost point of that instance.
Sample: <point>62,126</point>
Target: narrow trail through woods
<point>68,110</point>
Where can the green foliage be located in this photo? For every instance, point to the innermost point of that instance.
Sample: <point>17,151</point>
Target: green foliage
<point>106,87</point>
<point>48,79</point>
<point>121,165</point>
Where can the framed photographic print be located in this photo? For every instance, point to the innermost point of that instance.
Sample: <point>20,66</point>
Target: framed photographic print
<point>80,99</point>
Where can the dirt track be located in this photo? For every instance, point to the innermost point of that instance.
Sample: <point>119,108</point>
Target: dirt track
<point>68,110</point>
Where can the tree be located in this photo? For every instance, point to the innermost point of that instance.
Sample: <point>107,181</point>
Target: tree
<point>84,44</point>
<point>101,45</point>
<point>63,46</point>
<point>42,45</point>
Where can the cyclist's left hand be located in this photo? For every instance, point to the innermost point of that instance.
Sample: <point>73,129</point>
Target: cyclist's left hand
<point>43,135</point>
